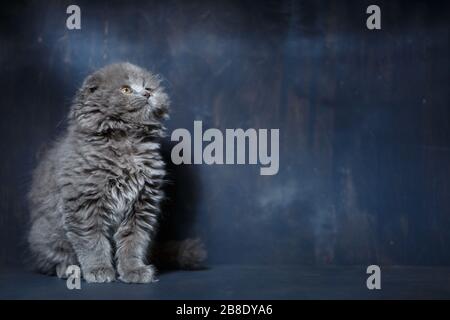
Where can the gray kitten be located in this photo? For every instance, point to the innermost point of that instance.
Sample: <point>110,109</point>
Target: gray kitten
<point>95,196</point>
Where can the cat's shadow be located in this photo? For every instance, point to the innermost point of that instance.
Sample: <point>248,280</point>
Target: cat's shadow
<point>179,209</point>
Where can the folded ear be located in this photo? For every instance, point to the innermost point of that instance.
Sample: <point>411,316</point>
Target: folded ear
<point>91,83</point>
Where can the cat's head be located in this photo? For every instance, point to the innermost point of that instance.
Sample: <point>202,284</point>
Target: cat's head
<point>120,96</point>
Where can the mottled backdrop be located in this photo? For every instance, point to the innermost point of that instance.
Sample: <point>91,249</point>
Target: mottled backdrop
<point>364,119</point>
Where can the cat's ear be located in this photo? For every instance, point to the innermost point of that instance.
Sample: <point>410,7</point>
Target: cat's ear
<point>92,83</point>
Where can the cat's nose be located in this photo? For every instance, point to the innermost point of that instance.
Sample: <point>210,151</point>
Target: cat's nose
<point>146,93</point>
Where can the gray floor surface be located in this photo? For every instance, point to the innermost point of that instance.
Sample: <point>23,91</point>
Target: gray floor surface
<point>243,282</point>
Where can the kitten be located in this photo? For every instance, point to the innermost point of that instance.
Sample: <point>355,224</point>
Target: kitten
<point>96,194</point>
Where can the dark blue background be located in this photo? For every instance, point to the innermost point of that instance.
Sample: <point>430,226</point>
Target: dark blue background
<point>363,117</point>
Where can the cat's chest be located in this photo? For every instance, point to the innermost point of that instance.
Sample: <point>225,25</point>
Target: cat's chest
<point>122,192</point>
<point>135,157</point>
<point>132,170</point>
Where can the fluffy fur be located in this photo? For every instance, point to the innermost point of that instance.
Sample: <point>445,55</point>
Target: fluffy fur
<point>96,194</point>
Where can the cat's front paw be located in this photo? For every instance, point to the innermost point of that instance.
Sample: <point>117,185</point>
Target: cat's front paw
<point>143,274</point>
<point>100,274</point>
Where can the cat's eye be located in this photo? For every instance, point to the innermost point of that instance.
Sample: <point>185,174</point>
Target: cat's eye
<point>126,90</point>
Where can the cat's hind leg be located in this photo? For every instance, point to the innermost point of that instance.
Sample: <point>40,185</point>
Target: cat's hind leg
<point>51,251</point>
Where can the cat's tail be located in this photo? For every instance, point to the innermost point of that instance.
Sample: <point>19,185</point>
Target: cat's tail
<point>188,254</point>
